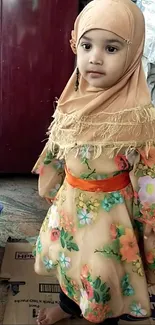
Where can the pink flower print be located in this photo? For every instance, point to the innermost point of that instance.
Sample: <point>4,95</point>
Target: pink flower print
<point>55,234</point>
<point>113,231</point>
<point>40,170</point>
<point>121,162</point>
<point>150,257</point>
<point>147,189</point>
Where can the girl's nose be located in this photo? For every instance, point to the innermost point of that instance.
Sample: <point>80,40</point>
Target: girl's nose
<point>96,60</point>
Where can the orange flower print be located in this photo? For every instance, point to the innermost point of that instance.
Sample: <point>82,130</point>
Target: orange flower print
<point>129,250</point>
<point>150,257</point>
<point>66,222</point>
<point>113,231</point>
<point>98,312</point>
<point>150,160</point>
<point>75,285</point>
<point>92,317</point>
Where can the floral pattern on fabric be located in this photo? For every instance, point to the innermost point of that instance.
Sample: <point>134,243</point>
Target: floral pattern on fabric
<point>127,193</point>
<point>88,238</point>
<point>110,200</point>
<point>65,261</point>
<point>150,258</point>
<point>121,162</point>
<point>38,245</point>
<point>49,265</point>
<point>124,247</point>
<point>144,205</point>
<point>67,222</point>
<point>86,210</point>
<point>67,241</point>
<point>148,159</point>
<point>54,191</point>
<point>147,190</point>
<point>127,289</point>
<point>47,163</point>
<point>95,296</point>
<point>137,310</point>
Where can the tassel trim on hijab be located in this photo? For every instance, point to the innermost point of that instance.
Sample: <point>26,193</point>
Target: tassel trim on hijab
<point>67,131</point>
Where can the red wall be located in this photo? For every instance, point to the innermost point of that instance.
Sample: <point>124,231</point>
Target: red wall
<point>36,62</point>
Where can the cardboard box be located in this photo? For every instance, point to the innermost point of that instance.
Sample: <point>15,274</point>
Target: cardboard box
<point>29,292</point>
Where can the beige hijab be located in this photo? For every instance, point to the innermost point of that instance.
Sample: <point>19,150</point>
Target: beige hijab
<point>121,116</point>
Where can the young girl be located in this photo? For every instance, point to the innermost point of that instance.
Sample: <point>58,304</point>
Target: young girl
<point>98,167</point>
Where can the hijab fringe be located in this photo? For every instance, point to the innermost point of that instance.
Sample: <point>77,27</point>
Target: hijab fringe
<point>135,123</point>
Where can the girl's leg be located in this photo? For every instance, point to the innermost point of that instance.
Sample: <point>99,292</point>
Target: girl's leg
<point>65,309</point>
<point>69,306</point>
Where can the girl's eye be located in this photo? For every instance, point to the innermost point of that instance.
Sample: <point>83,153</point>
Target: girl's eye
<point>111,49</point>
<point>86,46</point>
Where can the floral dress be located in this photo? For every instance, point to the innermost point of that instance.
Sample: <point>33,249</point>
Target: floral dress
<point>101,246</point>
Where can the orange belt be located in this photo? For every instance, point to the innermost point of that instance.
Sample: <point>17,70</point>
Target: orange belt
<point>111,184</point>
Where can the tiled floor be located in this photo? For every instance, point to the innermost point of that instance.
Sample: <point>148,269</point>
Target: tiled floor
<point>23,210</point>
<point>21,218</point>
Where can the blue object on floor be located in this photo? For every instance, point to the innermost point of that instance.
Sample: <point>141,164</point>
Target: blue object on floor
<point>1,207</point>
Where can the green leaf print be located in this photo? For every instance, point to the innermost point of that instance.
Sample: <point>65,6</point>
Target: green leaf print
<point>48,158</point>
<point>96,296</point>
<point>62,242</point>
<point>85,162</point>
<point>66,241</point>
<point>70,291</point>
<point>39,245</point>
<point>136,211</point>
<point>103,287</point>
<point>34,252</point>
<point>120,231</point>
<point>101,290</point>
<point>127,289</point>
<point>106,296</point>
<point>70,285</point>
<point>63,232</point>
<point>97,283</point>
<point>72,246</point>
<point>151,266</point>
<point>92,175</point>
<point>112,250</point>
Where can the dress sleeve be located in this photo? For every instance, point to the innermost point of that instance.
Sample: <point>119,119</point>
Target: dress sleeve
<point>51,174</point>
<point>143,182</point>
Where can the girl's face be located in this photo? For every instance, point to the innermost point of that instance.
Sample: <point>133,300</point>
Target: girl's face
<point>101,58</point>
